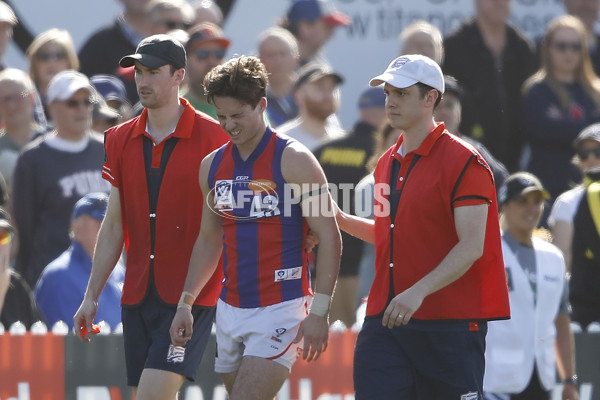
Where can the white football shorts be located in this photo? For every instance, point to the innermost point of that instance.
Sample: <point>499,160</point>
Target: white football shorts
<point>266,332</point>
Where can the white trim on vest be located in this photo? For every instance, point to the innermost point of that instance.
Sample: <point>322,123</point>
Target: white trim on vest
<point>513,345</point>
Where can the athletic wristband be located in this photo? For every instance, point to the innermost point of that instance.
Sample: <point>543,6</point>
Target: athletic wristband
<point>182,303</point>
<point>320,305</point>
<point>573,380</point>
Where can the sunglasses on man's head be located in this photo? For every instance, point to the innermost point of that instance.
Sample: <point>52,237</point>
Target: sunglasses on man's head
<point>583,154</point>
<point>564,46</point>
<point>204,54</point>
<point>47,55</point>
<point>73,103</point>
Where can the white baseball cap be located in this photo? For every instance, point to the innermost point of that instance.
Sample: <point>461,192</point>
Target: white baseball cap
<point>66,83</point>
<point>409,69</point>
<point>7,14</point>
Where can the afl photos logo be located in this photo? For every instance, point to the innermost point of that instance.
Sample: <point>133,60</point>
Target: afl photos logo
<point>242,198</point>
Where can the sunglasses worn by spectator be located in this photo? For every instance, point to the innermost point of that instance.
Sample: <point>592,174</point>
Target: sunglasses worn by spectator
<point>13,98</point>
<point>72,103</point>
<point>204,54</point>
<point>47,55</point>
<point>170,25</point>
<point>583,154</point>
<point>564,46</point>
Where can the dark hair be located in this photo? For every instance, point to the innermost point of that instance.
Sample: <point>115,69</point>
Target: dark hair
<point>243,78</point>
<point>423,89</point>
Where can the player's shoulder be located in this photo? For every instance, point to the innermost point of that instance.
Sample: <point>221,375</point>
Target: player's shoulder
<point>295,151</point>
<point>204,118</point>
<point>209,129</point>
<point>457,145</point>
<point>123,128</point>
<point>209,158</point>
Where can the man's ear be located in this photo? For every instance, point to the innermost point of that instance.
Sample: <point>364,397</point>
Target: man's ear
<point>262,104</point>
<point>431,97</point>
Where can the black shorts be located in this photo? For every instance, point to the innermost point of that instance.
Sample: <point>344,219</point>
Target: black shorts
<point>422,360</point>
<point>147,339</point>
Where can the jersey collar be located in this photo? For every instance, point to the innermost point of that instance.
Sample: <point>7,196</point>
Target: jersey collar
<point>425,148</point>
<point>184,126</point>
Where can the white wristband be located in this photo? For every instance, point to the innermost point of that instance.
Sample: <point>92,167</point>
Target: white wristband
<point>320,305</point>
<point>182,303</point>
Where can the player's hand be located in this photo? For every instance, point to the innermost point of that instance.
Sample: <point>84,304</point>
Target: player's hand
<point>4,269</point>
<point>315,331</point>
<point>570,392</point>
<point>311,241</point>
<point>182,327</point>
<point>402,307</point>
<point>84,317</point>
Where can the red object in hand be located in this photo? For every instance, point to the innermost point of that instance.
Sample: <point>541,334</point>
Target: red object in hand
<point>95,330</point>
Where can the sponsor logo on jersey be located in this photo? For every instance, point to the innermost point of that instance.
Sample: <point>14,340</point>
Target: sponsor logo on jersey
<point>280,331</point>
<point>276,339</point>
<point>469,396</point>
<point>288,274</point>
<point>245,199</point>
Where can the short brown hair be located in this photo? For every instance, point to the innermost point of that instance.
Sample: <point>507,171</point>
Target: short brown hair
<point>243,78</point>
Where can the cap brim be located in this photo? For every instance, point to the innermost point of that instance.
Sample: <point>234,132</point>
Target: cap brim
<point>6,225</point>
<point>338,78</point>
<point>315,77</point>
<point>579,140</point>
<point>68,92</point>
<point>531,189</point>
<point>107,112</point>
<point>146,60</point>
<point>337,19</point>
<point>398,81</point>
<point>220,41</point>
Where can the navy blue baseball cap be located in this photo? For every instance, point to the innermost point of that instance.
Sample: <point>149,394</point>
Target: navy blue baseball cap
<point>92,204</point>
<point>110,87</point>
<point>311,10</point>
<point>315,71</point>
<point>518,185</point>
<point>372,98</point>
<point>155,51</point>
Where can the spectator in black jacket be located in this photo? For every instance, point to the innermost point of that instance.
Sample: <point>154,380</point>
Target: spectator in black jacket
<point>491,59</point>
<point>16,298</point>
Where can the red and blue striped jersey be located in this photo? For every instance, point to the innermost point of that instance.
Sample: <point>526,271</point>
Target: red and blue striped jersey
<point>264,257</point>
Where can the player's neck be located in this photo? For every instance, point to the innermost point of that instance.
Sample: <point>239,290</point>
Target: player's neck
<point>162,121</point>
<point>246,148</point>
<point>416,134</point>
